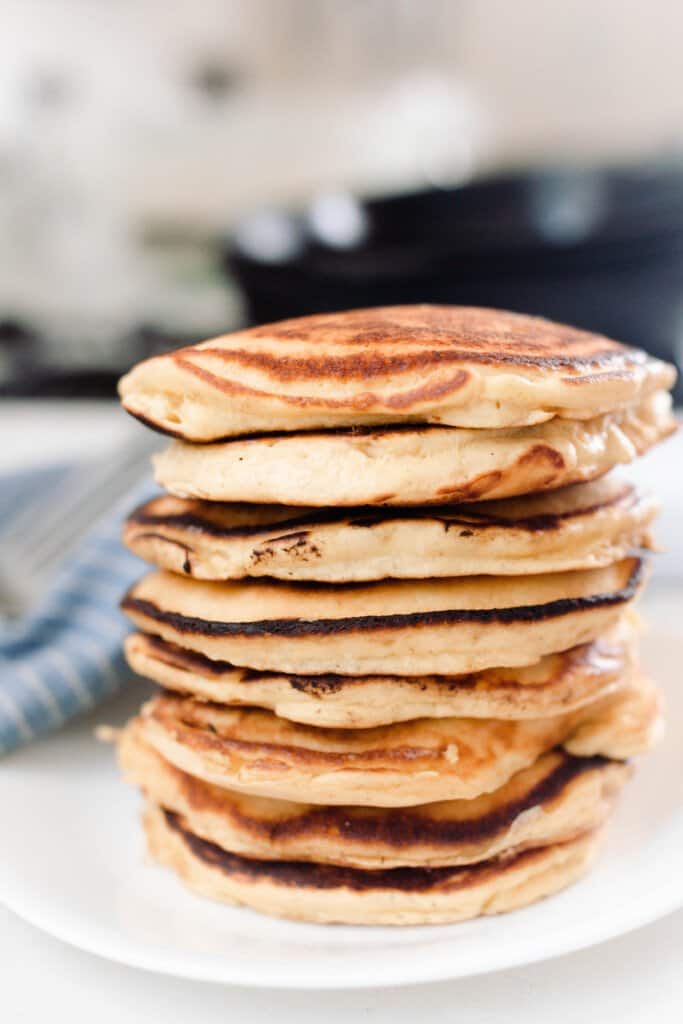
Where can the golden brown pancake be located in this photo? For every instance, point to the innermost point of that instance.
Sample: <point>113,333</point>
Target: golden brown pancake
<point>554,685</point>
<point>409,628</point>
<point>413,466</point>
<point>458,366</point>
<point>328,893</point>
<point>554,799</point>
<point>254,751</point>
<point>579,527</point>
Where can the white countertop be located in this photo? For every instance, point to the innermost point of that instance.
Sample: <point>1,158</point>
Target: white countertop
<point>631,979</point>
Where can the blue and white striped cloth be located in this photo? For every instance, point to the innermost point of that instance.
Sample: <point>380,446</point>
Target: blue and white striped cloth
<point>65,656</point>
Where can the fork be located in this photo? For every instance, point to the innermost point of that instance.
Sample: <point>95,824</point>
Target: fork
<point>48,527</point>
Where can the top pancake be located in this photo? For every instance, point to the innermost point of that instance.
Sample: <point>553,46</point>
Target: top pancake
<point>450,365</point>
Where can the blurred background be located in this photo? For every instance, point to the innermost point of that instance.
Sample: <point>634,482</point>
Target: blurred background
<point>169,171</point>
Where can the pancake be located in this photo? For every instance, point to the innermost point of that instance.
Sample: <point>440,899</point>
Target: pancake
<point>327,893</point>
<point>413,466</point>
<point>555,799</point>
<point>577,527</point>
<point>408,628</point>
<point>556,684</point>
<point>459,366</point>
<point>254,751</point>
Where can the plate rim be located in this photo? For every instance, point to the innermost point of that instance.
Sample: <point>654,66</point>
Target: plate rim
<point>635,915</point>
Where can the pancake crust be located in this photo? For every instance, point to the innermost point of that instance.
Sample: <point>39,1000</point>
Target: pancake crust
<point>404,628</point>
<point>553,800</point>
<point>328,893</point>
<point>425,465</point>
<point>254,751</point>
<point>459,366</point>
<point>580,527</point>
<point>556,684</point>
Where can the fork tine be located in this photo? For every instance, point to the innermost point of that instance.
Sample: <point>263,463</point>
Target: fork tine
<point>37,541</point>
<point>69,526</point>
<point>80,485</point>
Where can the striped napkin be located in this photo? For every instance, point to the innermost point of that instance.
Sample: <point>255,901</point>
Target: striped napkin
<point>66,656</point>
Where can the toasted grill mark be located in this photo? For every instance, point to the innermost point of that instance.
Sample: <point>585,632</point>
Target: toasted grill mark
<point>328,876</point>
<point>427,392</point>
<point>481,485</point>
<point>310,368</point>
<point>228,387</point>
<point>318,627</point>
<point>396,828</point>
<point>471,334</point>
<point>486,483</point>
<point>298,545</point>
<point>198,518</point>
<point>543,452</point>
<point>606,357</point>
<point>320,686</point>
<point>357,366</point>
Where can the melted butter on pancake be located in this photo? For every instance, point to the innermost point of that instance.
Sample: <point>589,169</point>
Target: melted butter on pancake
<point>253,751</point>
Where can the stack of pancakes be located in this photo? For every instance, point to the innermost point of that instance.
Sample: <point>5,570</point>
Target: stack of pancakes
<point>392,611</point>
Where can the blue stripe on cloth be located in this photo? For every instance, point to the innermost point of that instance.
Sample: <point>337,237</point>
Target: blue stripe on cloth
<point>66,655</point>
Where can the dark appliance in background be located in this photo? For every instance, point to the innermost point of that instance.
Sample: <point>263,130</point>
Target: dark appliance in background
<point>601,249</point>
<point>31,366</point>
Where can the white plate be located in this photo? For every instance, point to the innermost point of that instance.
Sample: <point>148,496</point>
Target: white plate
<point>72,863</point>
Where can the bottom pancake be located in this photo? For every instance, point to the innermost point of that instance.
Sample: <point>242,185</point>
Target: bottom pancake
<point>325,893</point>
<point>555,799</point>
